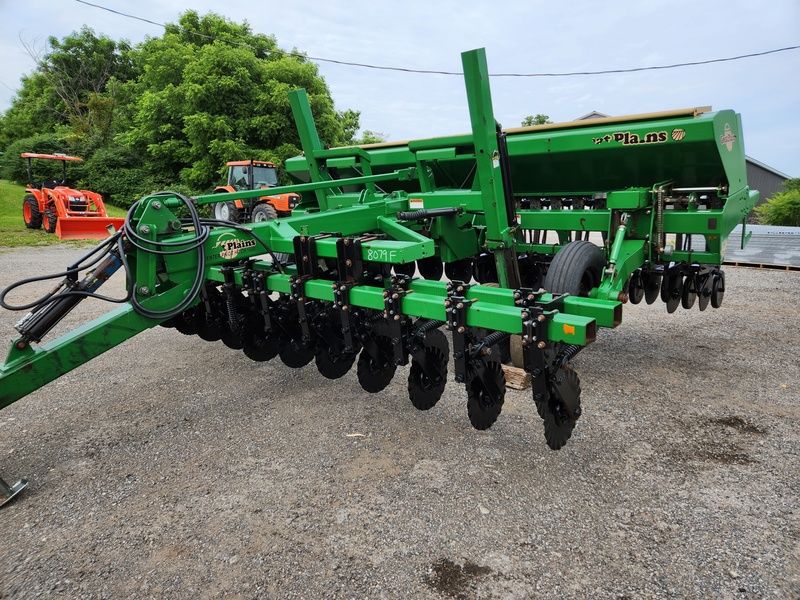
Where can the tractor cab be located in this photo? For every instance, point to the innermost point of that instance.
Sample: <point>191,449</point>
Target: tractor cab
<point>252,175</point>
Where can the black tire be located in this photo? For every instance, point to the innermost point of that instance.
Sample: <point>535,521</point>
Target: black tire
<point>31,213</point>
<point>576,269</point>
<point>50,219</point>
<point>263,212</point>
<point>226,211</point>
<point>267,212</point>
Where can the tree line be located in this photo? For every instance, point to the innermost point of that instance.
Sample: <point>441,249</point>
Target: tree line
<point>168,112</point>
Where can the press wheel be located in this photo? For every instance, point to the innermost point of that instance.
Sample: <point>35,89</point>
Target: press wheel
<point>293,353</point>
<point>482,408</point>
<point>333,364</point>
<point>374,375</point>
<point>423,391</point>
<point>564,387</point>
<point>261,346</point>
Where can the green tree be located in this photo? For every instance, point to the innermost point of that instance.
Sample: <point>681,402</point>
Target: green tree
<point>539,119</point>
<point>72,87</point>
<point>783,208</point>
<point>211,91</point>
<point>370,137</point>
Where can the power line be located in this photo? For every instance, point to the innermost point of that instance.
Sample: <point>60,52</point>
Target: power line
<point>434,72</point>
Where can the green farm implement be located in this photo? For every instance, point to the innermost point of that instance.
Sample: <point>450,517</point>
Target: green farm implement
<point>431,254</point>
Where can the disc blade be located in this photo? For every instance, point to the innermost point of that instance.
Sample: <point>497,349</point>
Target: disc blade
<point>652,286</point>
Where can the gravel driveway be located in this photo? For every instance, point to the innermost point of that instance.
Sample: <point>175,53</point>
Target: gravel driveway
<point>175,468</point>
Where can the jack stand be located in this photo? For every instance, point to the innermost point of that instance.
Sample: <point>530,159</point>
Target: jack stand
<point>7,493</point>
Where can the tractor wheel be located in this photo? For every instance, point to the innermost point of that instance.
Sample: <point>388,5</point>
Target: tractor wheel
<point>575,269</point>
<point>226,211</point>
<point>31,213</point>
<point>267,212</point>
<point>263,212</point>
<point>50,220</point>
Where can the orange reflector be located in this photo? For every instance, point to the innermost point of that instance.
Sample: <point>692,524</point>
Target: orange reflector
<point>569,329</point>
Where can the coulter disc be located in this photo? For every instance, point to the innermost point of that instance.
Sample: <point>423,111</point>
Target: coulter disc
<point>652,286</point>
<point>704,291</point>
<point>636,287</point>
<point>689,291</point>
<point>459,270</point>
<point>717,289</point>
<point>674,291</point>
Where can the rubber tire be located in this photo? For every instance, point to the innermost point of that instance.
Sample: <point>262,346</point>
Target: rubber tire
<point>31,213</point>
<point>50,221</point>
<point>226,211</point>
<point>263,212</point>
<point>575,269</point>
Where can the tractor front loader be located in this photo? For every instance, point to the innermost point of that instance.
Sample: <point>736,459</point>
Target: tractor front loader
<point>67,212</point>
<point>538,233</point>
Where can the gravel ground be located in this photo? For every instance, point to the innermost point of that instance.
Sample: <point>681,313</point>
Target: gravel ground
<point>174,468</point>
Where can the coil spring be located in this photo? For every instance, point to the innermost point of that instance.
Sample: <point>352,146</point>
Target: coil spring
<point>427,326</point>
<point>233,320</point>
<point>495,338</point>
<point>567,354</point>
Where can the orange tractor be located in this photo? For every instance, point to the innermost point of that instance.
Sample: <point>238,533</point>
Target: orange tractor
<point>253,175</point>
<point>67,212</point>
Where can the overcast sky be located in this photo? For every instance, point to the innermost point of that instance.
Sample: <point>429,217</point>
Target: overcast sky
<point>520,36</point>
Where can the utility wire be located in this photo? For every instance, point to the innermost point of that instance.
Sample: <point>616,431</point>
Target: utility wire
<point>434,72</point>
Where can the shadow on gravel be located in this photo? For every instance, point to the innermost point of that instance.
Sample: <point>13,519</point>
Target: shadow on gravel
<point>723,440</point>
<point>455,581</point>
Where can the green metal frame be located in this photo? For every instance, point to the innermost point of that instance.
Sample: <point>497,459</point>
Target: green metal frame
<point>634,181</point>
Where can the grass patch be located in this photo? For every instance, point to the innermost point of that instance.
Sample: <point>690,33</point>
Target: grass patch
<point>13,232</point>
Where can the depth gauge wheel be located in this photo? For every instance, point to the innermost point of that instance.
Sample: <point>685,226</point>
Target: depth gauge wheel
<point>576,269</point>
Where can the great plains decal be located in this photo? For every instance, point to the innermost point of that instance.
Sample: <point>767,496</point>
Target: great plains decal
<point>728,138</point>
<point>230,246</point>
<point>626,138</point>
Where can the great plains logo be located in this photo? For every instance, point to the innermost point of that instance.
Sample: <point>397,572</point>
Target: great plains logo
<point>678,134</point>
<point>230,245</point>
<point>626,138</point>
<point>728,138</point>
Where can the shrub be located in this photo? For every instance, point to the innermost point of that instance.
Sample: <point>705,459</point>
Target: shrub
<point>783,208</point>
